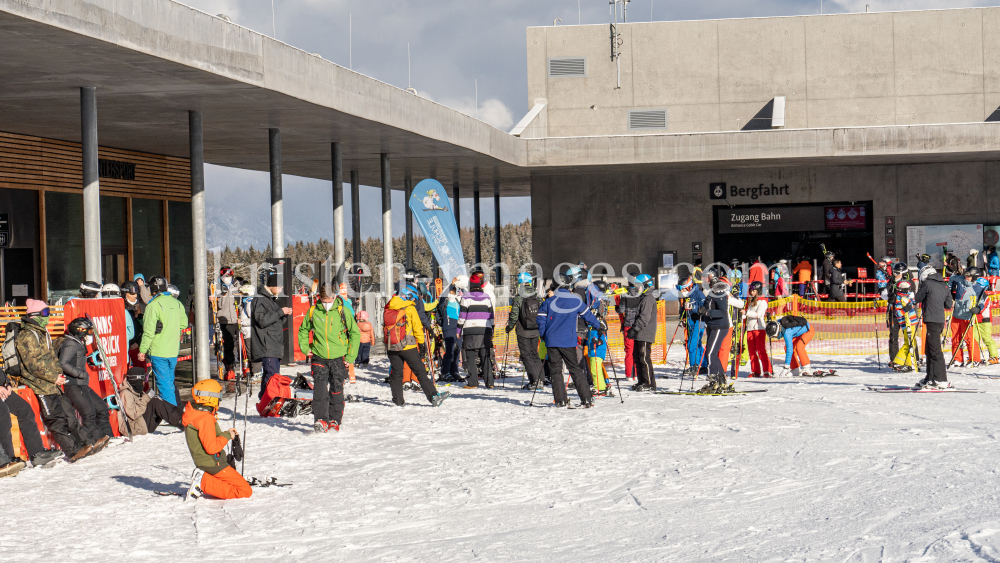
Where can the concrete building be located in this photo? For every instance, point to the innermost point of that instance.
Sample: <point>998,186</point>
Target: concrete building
<point>885,113</point>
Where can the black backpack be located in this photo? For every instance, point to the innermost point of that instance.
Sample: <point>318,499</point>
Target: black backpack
<point>11,361</point>
<point>630,310</point>
<point>528,315</point>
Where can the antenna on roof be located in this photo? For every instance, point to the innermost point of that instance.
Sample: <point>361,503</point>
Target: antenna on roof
<point>274,25</point>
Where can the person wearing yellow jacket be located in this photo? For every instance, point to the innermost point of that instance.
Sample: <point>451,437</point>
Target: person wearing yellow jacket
<point>404,339</point>
<point>335,342</point>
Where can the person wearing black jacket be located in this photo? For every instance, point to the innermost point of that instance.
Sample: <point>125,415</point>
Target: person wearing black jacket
<point>267,322</point>
<point>523,320</point>
<point>447,313</point>
<point>890,317</point>
<point>826,271</point>
<point>643,332</point>
<point>934,296</point>
<point>837,283</point>
<point>72,354</point>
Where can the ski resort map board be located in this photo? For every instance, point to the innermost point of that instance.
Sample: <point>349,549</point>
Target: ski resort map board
<point>933,239</point>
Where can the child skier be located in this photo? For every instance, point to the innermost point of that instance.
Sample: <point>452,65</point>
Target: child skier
<point>760,363</point>
<point>984,326</point>
<point>964,292</point>
<point>597,350</point>
<point>906,315</point>
<point>693,297</point>
<point>212,474</point>
<point>797,334</point>
<point>367,337</point>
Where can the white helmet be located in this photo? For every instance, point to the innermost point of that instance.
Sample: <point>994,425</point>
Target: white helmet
<point>462,282</point>
<point>110,290</point>
<point>174,292</point>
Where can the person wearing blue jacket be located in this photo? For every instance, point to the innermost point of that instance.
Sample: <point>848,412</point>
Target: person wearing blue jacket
<point>557,321</point>
<point>797,334</point>
<point>992,262</point>
<point>693,297</point>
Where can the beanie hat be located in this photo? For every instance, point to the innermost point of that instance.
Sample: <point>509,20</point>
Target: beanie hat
<point>272,280</point>
<point>36,306</point>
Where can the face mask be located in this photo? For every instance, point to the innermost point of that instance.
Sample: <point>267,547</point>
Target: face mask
<point>88,340</point>
<point>328,306</point>
<point>685,293</point>
<point>42,321</point>
<point>227,280</point>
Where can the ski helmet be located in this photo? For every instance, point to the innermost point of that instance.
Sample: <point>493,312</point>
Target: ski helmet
<point>409,293</point>
<point>975,272</point>
<point>925,272</point>
<point>362,315</point>
<point>829,255</point>
<point>158,284</point>
<point>925,257</point>
<point>756,286</point>
<point>737,275</point>
<point>130,287</point>
<point>110,290</point>
<point>773,329</point>
<point>90,289</point>
<point>207,392</point>
<point>80,327</point>
<point>601,285</point>
<point>574,274</point>
<point>525,277</point>
<point>174,292</point>
<point>899,268</point>
<point>645,281</point>
<point>903,285</point>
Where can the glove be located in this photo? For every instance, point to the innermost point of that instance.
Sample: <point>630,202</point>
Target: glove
<point>604,327</point>
<point>94,359</point>
<point>423,351</point>
<point>510,328</point>
<point>976,310</point>
<point>631,333</point>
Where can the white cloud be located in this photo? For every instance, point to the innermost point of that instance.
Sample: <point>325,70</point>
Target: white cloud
<point>492,111</point>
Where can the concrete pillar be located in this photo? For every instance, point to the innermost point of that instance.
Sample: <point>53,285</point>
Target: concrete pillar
<point>277,209</point>
<point>338,212</point>
<point>456,203</point>
<point>407,192</point>
<point>478,225</point>
<point>386,227</point>
<point>356,215</point>
<point>199,244</point>
<point>496,227</point>
<point>91,186</point>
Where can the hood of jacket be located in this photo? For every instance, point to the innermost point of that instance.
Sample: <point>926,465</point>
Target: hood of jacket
<point>397,303</point>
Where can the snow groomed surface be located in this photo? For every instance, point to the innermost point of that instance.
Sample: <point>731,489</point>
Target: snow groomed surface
<point>813,469</point>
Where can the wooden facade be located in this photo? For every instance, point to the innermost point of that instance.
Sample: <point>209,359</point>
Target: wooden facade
<point>49,165</point>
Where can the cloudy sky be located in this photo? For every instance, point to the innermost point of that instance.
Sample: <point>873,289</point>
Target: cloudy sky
<point>453,44</point>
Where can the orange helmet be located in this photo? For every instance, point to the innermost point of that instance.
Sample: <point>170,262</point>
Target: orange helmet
<point>207,392</point>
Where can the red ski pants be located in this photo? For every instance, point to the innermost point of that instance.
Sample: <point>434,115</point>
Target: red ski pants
<point>961,328</point>
<point>759,360</point>
<point>226,484</point>
<point>629,366</point>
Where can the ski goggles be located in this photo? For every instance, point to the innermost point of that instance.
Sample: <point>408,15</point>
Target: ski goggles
<point>206,394</point>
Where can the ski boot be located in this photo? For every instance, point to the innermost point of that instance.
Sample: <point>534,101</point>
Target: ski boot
<point>586,404</point>
<point>99,445</point>
<point>922,383</point>
<point>710,388</point>
<point>994,361</point>
<point>11,469</point>
<point>45,458</point>
<point>439,398</point>
<point>938,385</point>
<point>321,427</point>
<point>194,490</point>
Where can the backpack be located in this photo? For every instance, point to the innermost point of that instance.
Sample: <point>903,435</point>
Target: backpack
<point>630,310</point>
<point>528,316</point>
<point>11,361</point>
<point>395,330</point>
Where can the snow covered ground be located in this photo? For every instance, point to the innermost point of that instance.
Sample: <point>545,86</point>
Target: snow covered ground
<point>811,470</point>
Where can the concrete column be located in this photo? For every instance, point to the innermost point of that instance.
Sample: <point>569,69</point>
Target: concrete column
<point>496,227</point>
<point>356,214</point>
<point>338,212</point>
<point>478,225</point>
<point>407,192</point>
<point>91,186</point>
<point>386,227</point>
<point>199,244</point>
<point>277,209</point>
<point>457,205</point>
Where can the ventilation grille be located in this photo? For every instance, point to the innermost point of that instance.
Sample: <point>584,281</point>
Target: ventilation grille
<point>568,66</point>
<point>645,119</point>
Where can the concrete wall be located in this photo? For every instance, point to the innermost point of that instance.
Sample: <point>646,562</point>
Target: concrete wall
<point>939,66</point>
<point>630,216</point>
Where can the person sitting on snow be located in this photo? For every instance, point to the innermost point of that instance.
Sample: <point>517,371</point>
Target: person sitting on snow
<point>207,442</point>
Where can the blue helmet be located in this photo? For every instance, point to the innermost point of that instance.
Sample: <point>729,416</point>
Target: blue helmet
<point>645,280</point>
<point>409,293</point>
<point>525,277</point>
<point>574,274</point>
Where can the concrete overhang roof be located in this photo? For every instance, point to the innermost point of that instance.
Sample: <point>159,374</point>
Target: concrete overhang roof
<point>153,60</point>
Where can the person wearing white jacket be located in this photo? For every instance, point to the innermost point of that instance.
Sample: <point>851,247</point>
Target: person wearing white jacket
<point>760,362</point>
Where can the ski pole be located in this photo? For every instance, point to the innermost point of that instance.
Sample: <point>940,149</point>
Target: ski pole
<point>960,345</point>
<point>618,383</point>
<point>535,390</point>
<point>687,357</point>
<point>878,352</point>
<point>503,370</point>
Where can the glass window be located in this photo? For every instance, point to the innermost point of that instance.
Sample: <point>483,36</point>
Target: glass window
<point>114,252</point>
<point>181,253</point>
<point>147,237</point>
<point>64,243</point>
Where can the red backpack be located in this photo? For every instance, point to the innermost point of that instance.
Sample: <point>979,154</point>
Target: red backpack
<point>395,333</point>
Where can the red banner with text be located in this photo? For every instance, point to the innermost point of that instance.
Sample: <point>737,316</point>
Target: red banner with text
<point>109,325</point>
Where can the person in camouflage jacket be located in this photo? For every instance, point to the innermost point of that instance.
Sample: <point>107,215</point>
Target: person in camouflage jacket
<point>42,373</point>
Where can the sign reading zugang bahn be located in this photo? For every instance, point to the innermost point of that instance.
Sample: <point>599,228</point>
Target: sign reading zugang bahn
<point>770,219</point>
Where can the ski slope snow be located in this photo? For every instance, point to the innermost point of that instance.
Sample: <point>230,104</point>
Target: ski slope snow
<point>811,470</point>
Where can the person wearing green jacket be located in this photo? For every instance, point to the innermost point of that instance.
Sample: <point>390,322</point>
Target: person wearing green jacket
<point>335,343</point>
<point>161,338</point>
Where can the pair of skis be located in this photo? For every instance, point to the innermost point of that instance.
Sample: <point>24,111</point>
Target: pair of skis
<point>904,389</point>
